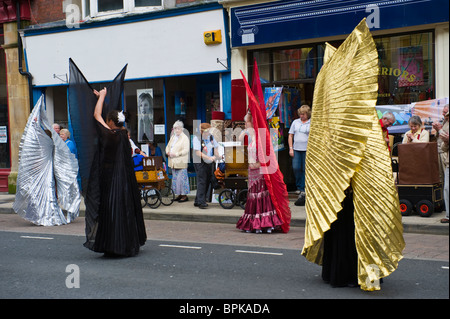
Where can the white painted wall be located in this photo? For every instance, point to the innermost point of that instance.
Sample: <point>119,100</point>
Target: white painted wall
<point>152,48</point>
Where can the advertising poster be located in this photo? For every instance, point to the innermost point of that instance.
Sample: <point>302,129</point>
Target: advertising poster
<point>272,99</point>
<point>410,62</point>
<point>145,115</point>
<point>276,134</point>
<point>429,111</point>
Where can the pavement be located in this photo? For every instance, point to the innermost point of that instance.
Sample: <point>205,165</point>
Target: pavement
<point>214,213</point>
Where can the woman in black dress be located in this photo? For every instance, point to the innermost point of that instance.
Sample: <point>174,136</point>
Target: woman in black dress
<point>114,219</point>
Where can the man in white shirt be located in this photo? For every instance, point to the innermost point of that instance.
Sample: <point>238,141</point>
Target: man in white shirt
<point>205,153</point>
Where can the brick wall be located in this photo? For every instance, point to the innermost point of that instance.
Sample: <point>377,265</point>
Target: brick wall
<point>43,11</point>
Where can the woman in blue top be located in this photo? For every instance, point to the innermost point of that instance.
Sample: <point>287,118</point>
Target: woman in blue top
<point>65,135</point>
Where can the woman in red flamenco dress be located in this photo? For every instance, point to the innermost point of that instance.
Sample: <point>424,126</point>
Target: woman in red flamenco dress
<point>260,214</point>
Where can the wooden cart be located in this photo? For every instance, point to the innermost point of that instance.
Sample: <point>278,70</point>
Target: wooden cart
<point>417,178</point>
<point>153,183</point>
<point>236,177</point>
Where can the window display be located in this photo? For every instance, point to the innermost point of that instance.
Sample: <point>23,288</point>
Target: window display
<point>406,68</point>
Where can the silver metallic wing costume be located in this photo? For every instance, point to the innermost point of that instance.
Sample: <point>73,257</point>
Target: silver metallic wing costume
<point>47,176</point>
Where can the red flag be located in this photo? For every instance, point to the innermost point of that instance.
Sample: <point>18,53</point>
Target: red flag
<point>266,155</point>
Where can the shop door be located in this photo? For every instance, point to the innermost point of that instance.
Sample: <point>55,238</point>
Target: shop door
<point>208,93</point>
<point>5,159</point>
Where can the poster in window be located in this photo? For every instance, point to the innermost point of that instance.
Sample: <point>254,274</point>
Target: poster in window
<point>276,133</point>
<point>410,62</point>
<point>180,103</point>
<point>145,115</point>
<point>272,99</point>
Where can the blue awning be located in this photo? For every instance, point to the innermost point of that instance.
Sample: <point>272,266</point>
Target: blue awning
<point>292,20</point>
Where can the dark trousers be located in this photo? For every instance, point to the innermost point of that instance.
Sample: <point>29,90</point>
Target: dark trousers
<point>340,259</point>
<point>204,173</point>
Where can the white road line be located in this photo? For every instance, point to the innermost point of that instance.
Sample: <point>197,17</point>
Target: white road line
<point>36,237</point>
<point>444,267</point>
<point>258,252</point>
<point>179,246</point>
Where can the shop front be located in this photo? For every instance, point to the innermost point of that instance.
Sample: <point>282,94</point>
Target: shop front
<point>287,40</point>
<point>173,73</point>
<point>5,158</point>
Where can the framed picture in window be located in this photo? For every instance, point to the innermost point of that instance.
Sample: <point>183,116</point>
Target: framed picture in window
<point>145,115</point>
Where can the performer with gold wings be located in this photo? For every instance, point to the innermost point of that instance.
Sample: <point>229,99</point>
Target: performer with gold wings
<point>350,190</point>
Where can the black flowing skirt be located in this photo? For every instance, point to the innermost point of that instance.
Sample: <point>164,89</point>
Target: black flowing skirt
<point>114,219</point>
<point>340,259</point>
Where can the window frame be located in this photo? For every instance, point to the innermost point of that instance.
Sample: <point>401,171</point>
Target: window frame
<point>128,6</point>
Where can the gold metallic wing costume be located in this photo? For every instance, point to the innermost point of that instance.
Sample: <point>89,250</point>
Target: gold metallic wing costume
<point>346,149</point>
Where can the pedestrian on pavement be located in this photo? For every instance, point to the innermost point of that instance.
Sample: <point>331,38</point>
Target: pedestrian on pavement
<point>134,149</point>
<point>442,155</point>
<point>260,214</point>
<point>65,135</point>
<point>56,127</point>
<point>443,143</point>
<point>205,154</point>
<point>114,219</point>
<point>298,141</point>
<point>417,133</point>
<point>177,151</point>
<point>386,121</point>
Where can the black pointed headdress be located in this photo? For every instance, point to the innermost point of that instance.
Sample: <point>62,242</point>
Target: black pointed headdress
<point>82,102</point>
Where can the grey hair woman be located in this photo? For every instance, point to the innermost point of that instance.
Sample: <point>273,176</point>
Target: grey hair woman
<point>417,133</point>
<point>177,151</point>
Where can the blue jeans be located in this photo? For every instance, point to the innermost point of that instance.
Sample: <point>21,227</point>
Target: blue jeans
<point>298,165</point>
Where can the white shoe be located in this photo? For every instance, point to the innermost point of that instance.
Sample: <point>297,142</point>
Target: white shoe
<point>258,231</point>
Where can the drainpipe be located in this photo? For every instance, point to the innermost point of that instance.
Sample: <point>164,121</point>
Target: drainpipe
<point>20,48</point>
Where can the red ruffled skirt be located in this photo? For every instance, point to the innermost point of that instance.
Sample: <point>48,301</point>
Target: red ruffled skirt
<point>259,212</point>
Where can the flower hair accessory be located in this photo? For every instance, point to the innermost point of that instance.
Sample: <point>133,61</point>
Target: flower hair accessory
<point>121,117</point>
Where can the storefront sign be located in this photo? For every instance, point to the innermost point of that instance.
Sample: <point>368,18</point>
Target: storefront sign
<point>282,21</point>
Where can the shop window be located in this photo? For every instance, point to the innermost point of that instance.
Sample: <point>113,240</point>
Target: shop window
<point>406,68</point>
<point>288,65</point>
<point>406,64</point>
<point>147,3</point>
<point>294,64</point>
<point>108,5</point>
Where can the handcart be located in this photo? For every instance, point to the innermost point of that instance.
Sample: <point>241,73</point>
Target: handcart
<point>153,183</point>
<point>418,181</point>
<point>236,177</point>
